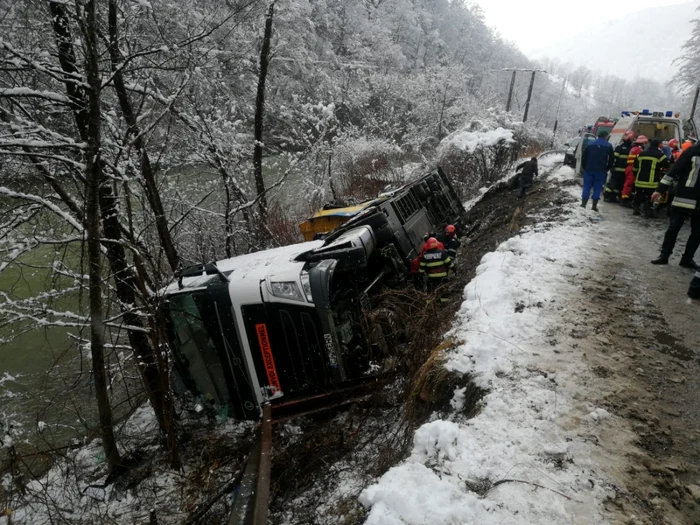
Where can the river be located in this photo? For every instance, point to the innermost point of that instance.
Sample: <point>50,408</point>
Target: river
<point>46,394</point>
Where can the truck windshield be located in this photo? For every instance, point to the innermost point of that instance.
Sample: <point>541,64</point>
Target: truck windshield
<point>657,129</point>
<point>194,345</point>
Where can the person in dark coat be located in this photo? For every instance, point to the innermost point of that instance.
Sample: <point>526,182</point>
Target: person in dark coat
<point>529,172</point>
<point>686,172</point>
<point>449,239</point>
<point>598,158</point>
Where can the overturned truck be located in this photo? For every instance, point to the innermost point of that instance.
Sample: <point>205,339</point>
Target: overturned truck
<point>291,322</point>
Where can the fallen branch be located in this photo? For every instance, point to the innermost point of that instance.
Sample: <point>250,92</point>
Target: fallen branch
<point>501,481</point>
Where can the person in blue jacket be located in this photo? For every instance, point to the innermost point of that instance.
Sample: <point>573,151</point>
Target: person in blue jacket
<point>598,158</point>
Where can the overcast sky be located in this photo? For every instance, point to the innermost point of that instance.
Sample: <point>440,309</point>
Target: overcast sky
<point>532,24</point>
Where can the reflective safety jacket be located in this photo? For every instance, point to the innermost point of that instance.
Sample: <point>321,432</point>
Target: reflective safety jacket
<point>622,153</point>
<point>633,154</point>
<point>686,172</point>
<point>435,263</point>
<point>451,244</point>
<point>648,167</point>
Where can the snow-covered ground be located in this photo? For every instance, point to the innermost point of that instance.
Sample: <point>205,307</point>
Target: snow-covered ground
<point>527,456</point>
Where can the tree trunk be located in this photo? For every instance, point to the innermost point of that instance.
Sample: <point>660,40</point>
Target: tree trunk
<point>154,376</point>
<point>260,112</point>
<point>92,190</point>
<point>150,185</point>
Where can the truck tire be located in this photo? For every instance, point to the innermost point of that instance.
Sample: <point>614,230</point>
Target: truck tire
<point>348,258</point>
<point>374,221</point>
<point>383,234</point>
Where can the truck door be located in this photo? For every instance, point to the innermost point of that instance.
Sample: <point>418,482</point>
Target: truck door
<point>689,129</point>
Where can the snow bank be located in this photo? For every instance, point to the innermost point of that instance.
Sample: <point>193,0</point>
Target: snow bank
<point>525,436</point>
<point>471,140</point>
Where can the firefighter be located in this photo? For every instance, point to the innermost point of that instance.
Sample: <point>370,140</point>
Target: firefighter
<point>598,158</point>
<point>686,144</point>
<point>450,241</point>
<point>675,150</point>
<point>529,172</point>
<point>648,166</point>
<point>685,205</point>
<point>694,288</point>
<point>415,263</point>
<point>435,263</point>
<point>640,144</point>
<point>613,189</point>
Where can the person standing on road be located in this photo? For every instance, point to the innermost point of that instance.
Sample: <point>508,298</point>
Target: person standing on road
<point>529,172</point>
<point>694,288</point>
<point>598,158</point>
<point>686,172</point>
<point>613,189</point>
<point>639,145</point>
<point>649,166</point>
<point>435,263</point>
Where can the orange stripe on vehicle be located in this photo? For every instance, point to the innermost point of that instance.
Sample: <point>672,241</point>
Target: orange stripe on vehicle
<point>269,361</point>
<point>618,130</point>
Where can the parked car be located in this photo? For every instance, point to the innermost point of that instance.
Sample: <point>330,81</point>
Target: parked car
<point>569,154</point>
<point>293,321</point>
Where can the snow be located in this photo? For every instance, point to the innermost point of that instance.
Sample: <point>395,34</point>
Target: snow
<point>470,140</point>
<point>253,265</point>
<point>7,377</point>
<point>525,435</point>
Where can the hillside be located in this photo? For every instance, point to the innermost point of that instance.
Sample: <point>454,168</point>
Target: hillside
<point>644,43</point>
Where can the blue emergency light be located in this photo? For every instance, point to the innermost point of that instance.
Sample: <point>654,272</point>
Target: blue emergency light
<point>625,113</point>
<point>646,112</point>
<point>669,114</point>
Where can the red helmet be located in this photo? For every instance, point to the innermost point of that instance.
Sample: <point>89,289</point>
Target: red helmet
<point>450,229</point>
<point>629,135</point>
<point>641,139</point>
<point>673,143</point>
<point>431,244</point>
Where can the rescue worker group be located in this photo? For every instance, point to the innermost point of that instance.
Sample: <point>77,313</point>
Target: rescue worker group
<point>651,178</point>
<point>436,259</point>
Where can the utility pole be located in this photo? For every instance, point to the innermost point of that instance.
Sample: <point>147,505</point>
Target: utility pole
<point>512,86</point>
<point>695,104</point>
<point>556,118</point>
<point>510,92</point>
<point>529,95</point>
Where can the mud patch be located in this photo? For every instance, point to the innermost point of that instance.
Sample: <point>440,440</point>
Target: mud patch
<point>671,345</point>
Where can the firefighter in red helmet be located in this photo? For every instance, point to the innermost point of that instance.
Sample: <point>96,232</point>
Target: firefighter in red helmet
<point>449,239</point>
<point>675,149</point>
<point>640,145</point>
<point>435,263</point>
<point>616,181</point>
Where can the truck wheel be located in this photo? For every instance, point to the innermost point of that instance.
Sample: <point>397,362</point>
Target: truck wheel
<point>353,258</point>
<point>383,234</point>
<point>374,221</point>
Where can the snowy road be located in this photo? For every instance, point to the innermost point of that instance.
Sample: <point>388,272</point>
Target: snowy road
<point>592,413</point>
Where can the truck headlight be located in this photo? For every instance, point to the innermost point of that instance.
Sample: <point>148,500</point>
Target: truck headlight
<point>306,285</point>
<point>286,290</point>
